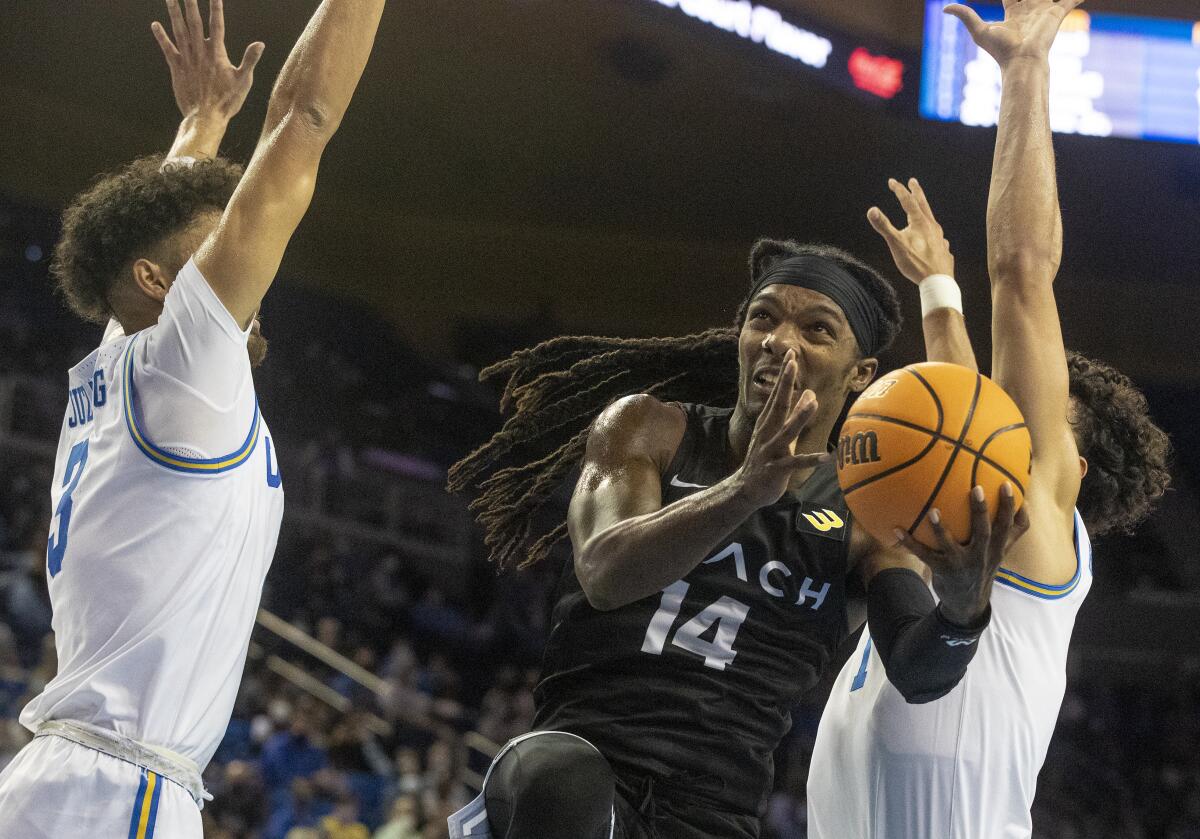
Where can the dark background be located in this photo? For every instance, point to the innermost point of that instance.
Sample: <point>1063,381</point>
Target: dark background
<point>516,169</point>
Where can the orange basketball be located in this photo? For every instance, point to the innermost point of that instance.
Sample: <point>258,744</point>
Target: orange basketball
<point>922,437</point>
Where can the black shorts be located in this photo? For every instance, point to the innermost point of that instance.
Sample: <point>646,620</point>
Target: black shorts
<point>559,786</point>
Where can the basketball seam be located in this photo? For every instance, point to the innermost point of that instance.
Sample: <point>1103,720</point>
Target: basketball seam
<point>991,439</point>
<point>937,437</point>
<point>953,455</point>
<point>941,418</point>
<point>937,400</point>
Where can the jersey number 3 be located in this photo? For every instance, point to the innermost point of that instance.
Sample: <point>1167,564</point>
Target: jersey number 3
<point>726,613</point>
<point>57,547</point>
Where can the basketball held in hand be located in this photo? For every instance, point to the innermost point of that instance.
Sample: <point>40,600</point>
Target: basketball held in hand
<point>921,438</point>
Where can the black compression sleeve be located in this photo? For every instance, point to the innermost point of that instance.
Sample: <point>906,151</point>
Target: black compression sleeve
<point>924,654</point>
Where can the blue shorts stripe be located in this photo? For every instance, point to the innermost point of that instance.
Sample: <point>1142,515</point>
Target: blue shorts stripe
<point>154,807</point>
<point>137,807</point>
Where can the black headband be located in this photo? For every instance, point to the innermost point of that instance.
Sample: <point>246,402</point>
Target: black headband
<point>825,276</point>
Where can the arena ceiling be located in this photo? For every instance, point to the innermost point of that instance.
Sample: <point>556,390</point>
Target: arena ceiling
<point>602,164</point>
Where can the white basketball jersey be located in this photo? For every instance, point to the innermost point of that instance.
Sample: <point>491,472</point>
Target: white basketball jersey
<point>964,766</point>
<point>158,548</point>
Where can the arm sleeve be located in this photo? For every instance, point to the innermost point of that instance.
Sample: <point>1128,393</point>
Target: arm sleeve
<point>194,390</point>
<point>924,654</point>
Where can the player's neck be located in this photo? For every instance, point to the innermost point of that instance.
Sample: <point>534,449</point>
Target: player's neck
<point>132,322</point>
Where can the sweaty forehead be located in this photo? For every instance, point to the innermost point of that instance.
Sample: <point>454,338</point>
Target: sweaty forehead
<point>795,300</point>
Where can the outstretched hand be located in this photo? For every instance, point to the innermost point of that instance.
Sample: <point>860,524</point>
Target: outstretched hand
<point>920,250</point>
<point>1027,31</point>
<point>963,574</point>
<point>203,78</point>
<point>770,459</point>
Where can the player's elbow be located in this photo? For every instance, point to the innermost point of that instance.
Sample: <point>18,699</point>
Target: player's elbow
<point>319,117</point>
<point>600,593</point>
<point>597,581</point>
<point>307,122</point>
<point>917,690</point>
<point>1024,265</point>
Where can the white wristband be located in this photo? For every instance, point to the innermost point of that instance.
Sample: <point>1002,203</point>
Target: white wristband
<point>940,292</point>
<point>182,162</point>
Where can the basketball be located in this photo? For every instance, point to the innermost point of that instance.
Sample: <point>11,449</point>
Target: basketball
<point>920,438</point>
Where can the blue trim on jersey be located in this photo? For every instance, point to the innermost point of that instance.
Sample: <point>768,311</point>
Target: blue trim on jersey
<point>191,465</point>
<point>1044,590</point>
<point>860,678</point>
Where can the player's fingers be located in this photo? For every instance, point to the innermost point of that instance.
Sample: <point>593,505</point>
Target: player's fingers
<point>194,21</point>
<point>216,20</point>
<point>921,552</point>
<point>178,27</point>
<point>883,225</point>
<point>1020,523</point>
<point>250,60</point>
<point>947,544</point>
<point>164,43</point>
<point>969,17</point>
<point>807,461</point>
<point>910,205</point>
<point>786,385</point>
<point>801,415</point>
<point>1002,528</point>
<point>981,524</point>
<point>914,186</point>
<point>765,417</point>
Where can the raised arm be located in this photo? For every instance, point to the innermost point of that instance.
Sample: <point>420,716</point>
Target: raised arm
<point>922,254</point>
<point>208,89</point>
<point>240,259</point>
<point>627,545</point>
<point>1025,245</point>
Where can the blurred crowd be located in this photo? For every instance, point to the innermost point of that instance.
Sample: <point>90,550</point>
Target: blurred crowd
<point>445,660</point>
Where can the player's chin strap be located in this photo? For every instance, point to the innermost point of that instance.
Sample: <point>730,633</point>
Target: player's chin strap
<point>164,762</point>
<point>471,822</point>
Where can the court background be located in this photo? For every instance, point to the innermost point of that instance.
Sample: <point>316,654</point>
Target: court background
<point>512,170</point>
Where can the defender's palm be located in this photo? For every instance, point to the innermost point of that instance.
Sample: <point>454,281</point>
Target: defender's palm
<point>202,76</point>
<point>1027,31</point>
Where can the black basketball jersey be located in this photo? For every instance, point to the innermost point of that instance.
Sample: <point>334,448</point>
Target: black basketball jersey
<point>693,686</point>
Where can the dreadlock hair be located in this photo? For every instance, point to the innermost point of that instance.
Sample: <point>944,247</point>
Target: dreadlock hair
<point>128,214</point>
<point>1126,452</point>
<point>556,390</point>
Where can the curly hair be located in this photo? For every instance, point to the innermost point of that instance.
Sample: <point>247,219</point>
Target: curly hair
<point>559,387</point>
<point>1126,452</point>
<point>130,213</point>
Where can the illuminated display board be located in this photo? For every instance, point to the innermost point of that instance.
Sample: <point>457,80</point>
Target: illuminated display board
<point>1111,75</point>
<point>865,68</point>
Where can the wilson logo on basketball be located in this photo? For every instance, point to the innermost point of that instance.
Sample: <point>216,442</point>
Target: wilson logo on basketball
<point>860,447</point>
<point>880,388</point>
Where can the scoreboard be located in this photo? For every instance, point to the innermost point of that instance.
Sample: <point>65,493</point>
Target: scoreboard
<point>1110,75</point>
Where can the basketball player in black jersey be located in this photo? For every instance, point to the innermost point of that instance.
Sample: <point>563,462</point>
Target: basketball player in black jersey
<point>715,565</point>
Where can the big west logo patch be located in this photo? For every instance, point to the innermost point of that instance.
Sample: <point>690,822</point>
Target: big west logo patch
<point>823,521</point>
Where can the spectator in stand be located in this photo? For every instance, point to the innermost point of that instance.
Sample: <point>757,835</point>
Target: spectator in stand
<point>238,809</point>
<point>25,600</point>
<point>299,809</point>
<point>293,753</point>
<point>404,820</point>
<point>343,822</point>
